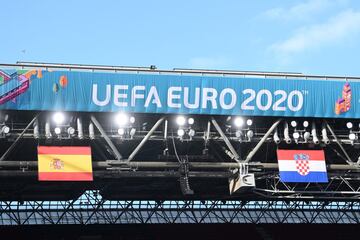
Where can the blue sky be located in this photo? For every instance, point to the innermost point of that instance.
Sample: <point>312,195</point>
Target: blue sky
<point>314,37</point>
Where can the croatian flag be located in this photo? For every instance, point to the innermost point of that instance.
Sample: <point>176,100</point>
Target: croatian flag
<point>302,166</point>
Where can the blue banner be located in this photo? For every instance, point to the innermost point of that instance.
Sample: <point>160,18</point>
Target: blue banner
<point>185,94</point>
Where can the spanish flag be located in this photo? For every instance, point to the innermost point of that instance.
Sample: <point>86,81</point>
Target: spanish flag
<point>64,163</point>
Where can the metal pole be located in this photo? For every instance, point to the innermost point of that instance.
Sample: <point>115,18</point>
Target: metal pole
<point>17,139</point>
<point>226,140</point>
<point>262,140</point>
<point>349,161</point>
<point>143,141</point>
<point>107,139</point>
<point>11,164</point>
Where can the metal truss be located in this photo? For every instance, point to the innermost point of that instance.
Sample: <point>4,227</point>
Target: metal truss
<point>344,186</point>
<point>91,208</point>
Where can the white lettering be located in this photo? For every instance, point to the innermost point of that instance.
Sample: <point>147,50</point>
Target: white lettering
<point>222,98</point>
<point>153,94</point>
<point>209,94</point>
<point>95,95</point>
<point>135,95</point>
<point>118,95</point>
<point>172,96</point>
<point>187,96</point>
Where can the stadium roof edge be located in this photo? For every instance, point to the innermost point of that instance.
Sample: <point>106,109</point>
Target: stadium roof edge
<point>175,70</point>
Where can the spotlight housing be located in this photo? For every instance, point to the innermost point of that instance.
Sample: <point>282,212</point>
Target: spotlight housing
<point>57,131</point>
<point>122,119</point>
<point>180,132</point>
<point>5,129</point>
<point>191,121</point>
<point>239,122</point>
<point>71,131</point>
<point>180,120</point>
<point>121,131</point>
<point>352,136</point>
<point>249,122</point>
<point>59,117</point>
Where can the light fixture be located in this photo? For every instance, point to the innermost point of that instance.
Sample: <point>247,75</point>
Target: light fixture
<point>132,120</point>
<point>58,117</point>
<point>250,134</point>
<point>249,122</point>
<point>349,125</point>
<point>293,123</point>
<point>121,131</point>
<point>180,120</point>
<point>305,124</point>
<point>238,133</point>
<point>352,136</point>
<point>57,130</point>
<point>5,129</point>
<point>307,136</point>
<point>132,132</point>
<point>239,121</point>
<point>191,121</point>
<point>71,130</point>
<point>191,132</point>
<point>122,119</point>
<point>296,135</point>
<point>180,132</point>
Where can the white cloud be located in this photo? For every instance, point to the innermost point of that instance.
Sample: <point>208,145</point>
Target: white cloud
<point>341,27</point>
<point>302,11</point>
<point>209,62</point>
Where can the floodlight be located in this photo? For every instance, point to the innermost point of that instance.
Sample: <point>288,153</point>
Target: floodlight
<point>349,125</point>
<point>239,121</point>
<point>122,119</point>
<point>58,117</point>
<point>296,135</point>
<point>180,120</point>
<point>305,124</point>
<point>250,134</point>
<point>238,133</point>
<point>57,130</point>
<point>132,132</point>
<point>180,132</point>
<point>352,136</point>
<point>307,136</point>
<point>71,131</point>
<point>191,121</point>
<point>191,132</point>
<point>249,122</point>
<point>121,131</point>
<point>132,120</point>
<point>5,129</point>
<point>293,123</point>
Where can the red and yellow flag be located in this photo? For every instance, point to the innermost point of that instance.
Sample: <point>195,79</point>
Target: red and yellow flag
<point>64,163</point>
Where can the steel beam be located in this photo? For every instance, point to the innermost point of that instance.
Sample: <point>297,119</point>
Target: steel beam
<point>13,145</point>
<point>261,142</point>
<point>105,136</point>
<point>143,141</point>
<point>226,140</point>
<point>171,165</point>
<point>349,161</point>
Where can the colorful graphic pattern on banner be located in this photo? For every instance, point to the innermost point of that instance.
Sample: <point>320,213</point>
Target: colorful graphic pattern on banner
<point>185,94</point>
